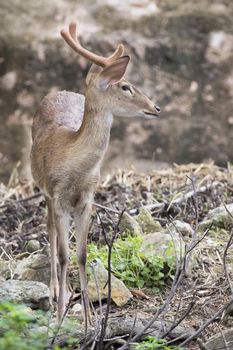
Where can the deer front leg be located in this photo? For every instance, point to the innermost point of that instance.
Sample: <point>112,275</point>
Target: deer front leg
<point>82,221</point>
<point>52,232</point>
<point>62,225</point>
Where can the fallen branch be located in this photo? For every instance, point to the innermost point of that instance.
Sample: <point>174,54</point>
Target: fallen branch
<point>120,327</point>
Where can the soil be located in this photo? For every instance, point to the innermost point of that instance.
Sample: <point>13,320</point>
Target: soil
<point>23,217</point>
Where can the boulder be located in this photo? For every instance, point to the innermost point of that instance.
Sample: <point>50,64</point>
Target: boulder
<point>129,224</point>
<point>7,268</point>
<point>32,246</point>
<point>120,293</point>
<point>33,294</point>
<point>36,267</point>
<point>162,244</point>
<point>147,222</point>
<point>181,227</point>
<point>220,217</point>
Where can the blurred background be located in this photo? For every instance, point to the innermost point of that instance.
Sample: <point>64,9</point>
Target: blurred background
<point>181,56</point>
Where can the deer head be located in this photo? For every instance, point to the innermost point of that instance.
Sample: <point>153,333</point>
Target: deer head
<point>106,86</point>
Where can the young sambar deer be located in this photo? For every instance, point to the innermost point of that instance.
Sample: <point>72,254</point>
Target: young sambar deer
<point>70,136</point>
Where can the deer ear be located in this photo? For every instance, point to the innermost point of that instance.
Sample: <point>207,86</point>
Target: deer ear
<point>93,71</point>
<point>113,73</point>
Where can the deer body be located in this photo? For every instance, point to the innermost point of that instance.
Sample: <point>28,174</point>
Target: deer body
<point>70,136</point>
<point>64,132</point>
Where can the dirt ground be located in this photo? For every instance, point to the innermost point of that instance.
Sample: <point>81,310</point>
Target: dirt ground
<point>23,218</point>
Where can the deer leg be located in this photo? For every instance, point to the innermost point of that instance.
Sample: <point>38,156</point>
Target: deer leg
<point>52,232</point>
<point>82,220</point>
<point>62,225</point>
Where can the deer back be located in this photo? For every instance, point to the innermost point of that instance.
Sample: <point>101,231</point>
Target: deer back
<point>57,109</point>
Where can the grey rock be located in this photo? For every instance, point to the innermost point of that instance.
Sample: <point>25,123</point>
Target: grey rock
<point>219,217</point>
<point>162,244</point>
<point>147,222</point>
<point>36,267</point>
<point>33,294</point>
<point>218,341</point>
<point>181,227</point>
<point>129,224</point>
<point>7,268</point>
<point>120,293</point>
<point>32,246</point>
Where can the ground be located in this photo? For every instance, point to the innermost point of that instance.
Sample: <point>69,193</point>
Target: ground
<point>178,188</point>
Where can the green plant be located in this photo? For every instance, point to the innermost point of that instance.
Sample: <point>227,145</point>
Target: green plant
<point>18,329</point>
<point>135,267</point>
<point>152,343</point>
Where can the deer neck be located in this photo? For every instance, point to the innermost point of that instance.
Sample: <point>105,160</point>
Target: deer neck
<point>94,132</point>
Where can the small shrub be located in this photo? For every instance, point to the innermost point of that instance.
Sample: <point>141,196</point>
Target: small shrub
<point>136,268</point>
<point>18,329</point>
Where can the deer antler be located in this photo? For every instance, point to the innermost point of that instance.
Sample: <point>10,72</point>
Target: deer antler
<point>71,39</point>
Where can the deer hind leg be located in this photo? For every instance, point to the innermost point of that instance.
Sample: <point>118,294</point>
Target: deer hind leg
<point>52,232</point>
<point>82,220</point>
<point>62,220</point>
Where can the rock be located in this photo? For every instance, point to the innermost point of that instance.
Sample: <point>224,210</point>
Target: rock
<point>182,227</point>
<point>129,224</point>
<point>33,294</point>
<point>220,340</point>
<point>147,222</point>
<point>7,268</point>
<point>220,47</point>
<point>218,217</point>
<point>36,267</point>
<point>32,246</point>
<point>161,244</point>
<point>120,293</point>
<point>77,309</point>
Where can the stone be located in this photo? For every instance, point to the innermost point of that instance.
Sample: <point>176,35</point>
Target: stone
<point>33,294</point>
<point>147,222</point>
<point>219,217</point>
<point>76,309</point>
<point>219,340</point>
<point>161,244</point>
<point>32,246</point>
<point>182,227</point>
<point>7,268</point>
<point>129,224</point>
<point>36,267</point>
<point>220,47</point>
<point>120,293</point>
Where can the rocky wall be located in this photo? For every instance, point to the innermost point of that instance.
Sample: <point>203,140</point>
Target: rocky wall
<point>181,56</point>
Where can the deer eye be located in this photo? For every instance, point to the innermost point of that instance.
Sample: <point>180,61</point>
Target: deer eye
<point>126,88</point>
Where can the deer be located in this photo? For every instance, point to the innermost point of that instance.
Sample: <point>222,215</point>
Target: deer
<point>70,135</point>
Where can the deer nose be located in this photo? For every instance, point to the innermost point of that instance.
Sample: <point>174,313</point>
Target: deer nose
<point>157,109</point>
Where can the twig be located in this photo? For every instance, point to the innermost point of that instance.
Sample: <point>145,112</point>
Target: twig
<point>191,305</point>
<point>36,195</point>
<point>225,262</point>
<point>97,205</point>
<point>110,246</point>
<point>207,323</point>
<point>224,338</point>
<point>62,320</point>
<point>176,282</point>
